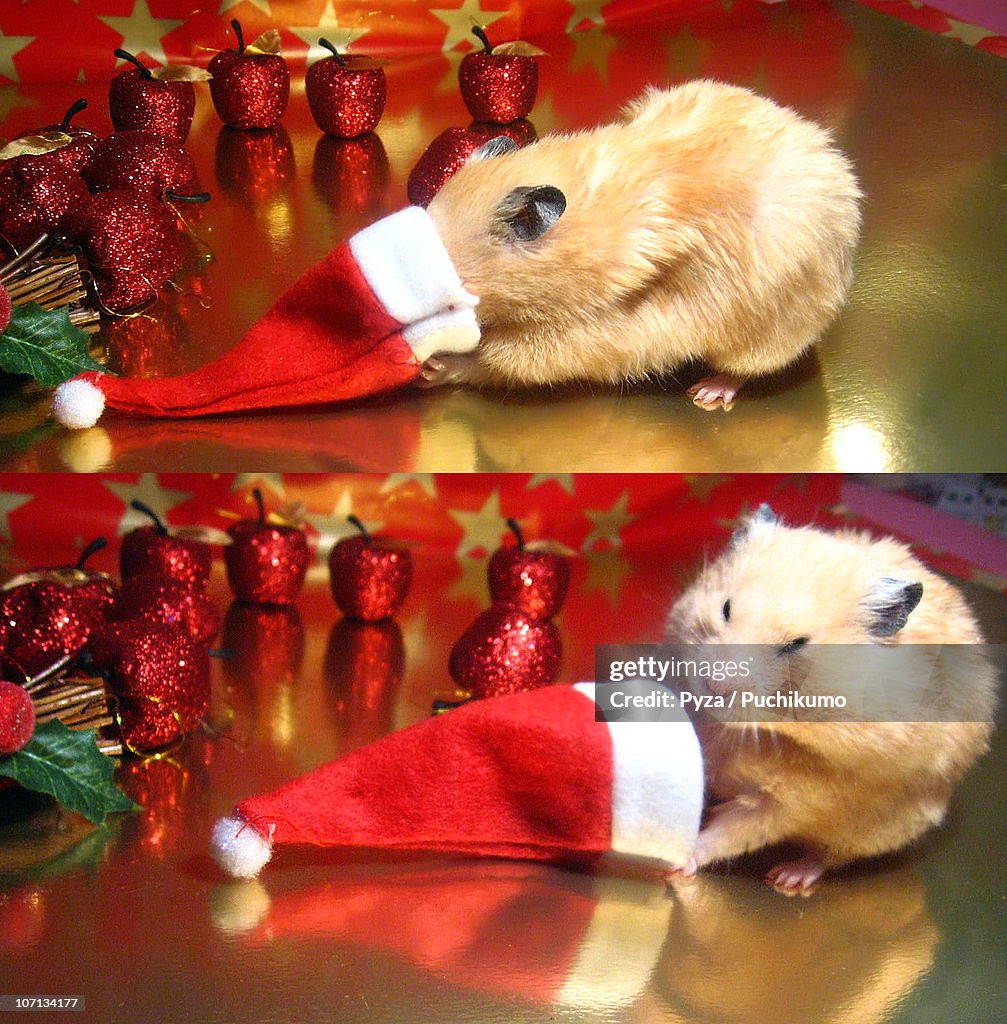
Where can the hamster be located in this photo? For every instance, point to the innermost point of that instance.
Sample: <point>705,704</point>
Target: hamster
<point>840,790</point>
<point>706,223</point>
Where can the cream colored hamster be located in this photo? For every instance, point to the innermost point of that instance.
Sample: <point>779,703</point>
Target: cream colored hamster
<point>841,791</point>
<point>706,223</point>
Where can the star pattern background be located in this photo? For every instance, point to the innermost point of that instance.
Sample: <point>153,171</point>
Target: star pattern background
<point>72,40</point>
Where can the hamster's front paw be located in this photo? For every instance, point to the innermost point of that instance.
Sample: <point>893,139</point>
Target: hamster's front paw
<point>716,392</point>
<point>686,870</point>
<point>445,368</point>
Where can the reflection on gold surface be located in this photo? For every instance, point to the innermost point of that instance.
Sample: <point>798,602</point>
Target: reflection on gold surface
<point>738,952</point>
<point>857,446</point>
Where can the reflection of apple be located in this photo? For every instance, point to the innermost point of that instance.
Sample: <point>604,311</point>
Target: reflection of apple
<point>346,93</point>
<point>254,167</point>
<point>351,175</point>
<point>266,562</point>
<point>534,580</point>
<point>364,665</point>
<point>369,581</point>
<point>249,90</point>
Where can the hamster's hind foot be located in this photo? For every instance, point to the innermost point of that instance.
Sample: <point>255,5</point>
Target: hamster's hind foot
<point>796,877</point>
<point>716,392</point>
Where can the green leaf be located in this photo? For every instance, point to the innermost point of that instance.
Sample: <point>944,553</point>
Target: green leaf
<point>44,344</point>
<point>68,765</point>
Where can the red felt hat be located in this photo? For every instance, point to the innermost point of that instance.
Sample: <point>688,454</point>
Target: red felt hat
<point>531,775</point>
<point>361,321</point>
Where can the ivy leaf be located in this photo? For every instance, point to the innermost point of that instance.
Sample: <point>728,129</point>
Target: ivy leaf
<point>68,765</point>
<point>44,344</point>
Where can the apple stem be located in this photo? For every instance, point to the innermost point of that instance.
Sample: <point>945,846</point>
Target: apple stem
<point>199,197</point>
<point>480,33</point>
<point>96,545</point>
<point>360,526</point>
<point>126,55</point>
<point>340,59</point>
<point>257,494</point>
<point>148,511</point>
<point>516,528</point>
<point>236,25</point>
<point>74,110</point>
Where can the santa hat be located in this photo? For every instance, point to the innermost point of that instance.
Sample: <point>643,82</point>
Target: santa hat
<point>506,928</point>
<point>361,321</point>
<point>530,775</point>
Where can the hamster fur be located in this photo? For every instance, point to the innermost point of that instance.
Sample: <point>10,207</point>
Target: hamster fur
<point>706,223</point>
<point>842,791</point>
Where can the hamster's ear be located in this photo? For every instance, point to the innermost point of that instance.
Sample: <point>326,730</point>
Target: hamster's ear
<point>763,516</point>
<point>496,146</point>
<point>889,605</point>
<point>528,212</point>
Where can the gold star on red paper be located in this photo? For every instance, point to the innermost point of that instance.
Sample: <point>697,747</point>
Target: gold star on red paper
<point>10,501</point>
<point>10,46</point>
<point>339,32</point>
<point>460,20</point>
<point>482,530</point>
<point>608,524</point>
<point>147,489</point>
<point>141,32</point>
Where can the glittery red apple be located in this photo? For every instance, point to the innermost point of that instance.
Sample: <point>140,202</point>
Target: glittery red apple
<point>49,616</point>
<point>74,154</point>
<point>40,198</point>
<point>446,155</point>
<point>266,562</point>
<point>499,83</point>
<point>250,87</point>
<point>17,718</point>
<point>346,92</point>
<point>153,550</point>
<point>131,245</point>
<point>144,162</point>
<point>152,100</point>
<point>534,578</point>
<point>156,598</point>
<point>159,675</point>
<point>506,650</point>
<point>369,580</point>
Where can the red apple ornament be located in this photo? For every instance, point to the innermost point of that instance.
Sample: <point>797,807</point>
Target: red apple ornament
<point>40,198</point>
<point>159,100</point>
<point>159,675</point>
<point>251,85</point>
<point>17,718</point>
<point>47,614</point>
<point>131,245</point>
<point>155,598</point>
<point>499,83</point>
<point>446,155</point>
<point>535,578</point>
<point>505,650</point>
<point>153,550</point>
<point>75,152</point>
<point>369,581</point>
<point>266,562</point>
<point>346,93</point>
<point>144,162</point>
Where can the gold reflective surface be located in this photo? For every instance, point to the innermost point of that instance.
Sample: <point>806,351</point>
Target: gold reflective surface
<point>136,917</point>
<point>910,378</point>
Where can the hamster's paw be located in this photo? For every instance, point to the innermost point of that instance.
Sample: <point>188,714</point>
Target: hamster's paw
<point>796,877</point>
<point>716,392</point>
<point>686,870</point>
<point>445,368</point>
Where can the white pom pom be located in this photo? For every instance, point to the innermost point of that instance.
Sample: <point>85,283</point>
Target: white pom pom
<point>239,848</point>
<point>78,404</point>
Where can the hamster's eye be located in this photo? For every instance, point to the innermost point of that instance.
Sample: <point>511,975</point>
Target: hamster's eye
<point>727,610</point>
<point>794,645</point>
